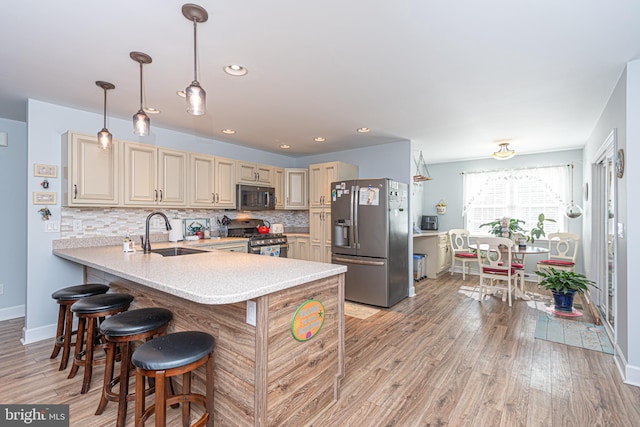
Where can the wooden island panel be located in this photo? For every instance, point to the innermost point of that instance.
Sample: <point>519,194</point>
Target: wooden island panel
<point>262,375</point>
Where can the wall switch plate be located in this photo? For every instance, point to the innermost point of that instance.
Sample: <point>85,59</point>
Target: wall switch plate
<point>251,312</point>
<point>52,226</point>
<point>77,225</point>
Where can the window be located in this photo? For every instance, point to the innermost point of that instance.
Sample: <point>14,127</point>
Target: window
<point>517,193</point>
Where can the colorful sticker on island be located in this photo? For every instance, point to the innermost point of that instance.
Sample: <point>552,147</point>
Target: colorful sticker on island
<point>307,320</point>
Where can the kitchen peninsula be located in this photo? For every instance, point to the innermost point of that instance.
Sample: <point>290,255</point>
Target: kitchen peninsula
<point>264,374</point>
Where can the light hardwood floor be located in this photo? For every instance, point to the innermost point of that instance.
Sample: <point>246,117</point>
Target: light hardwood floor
<point>439,359</point>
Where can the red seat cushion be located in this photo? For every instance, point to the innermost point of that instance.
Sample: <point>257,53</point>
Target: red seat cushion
<point>517,265</point>
<point>466,255</point>
<point>556,262</point>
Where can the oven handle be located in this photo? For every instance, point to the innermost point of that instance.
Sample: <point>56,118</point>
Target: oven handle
<point>256,249</point>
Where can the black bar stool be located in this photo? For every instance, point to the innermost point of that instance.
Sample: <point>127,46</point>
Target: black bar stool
<point>165,357</point>
<point>120,332</point>
<point>90,310</point>
<point>65,297</point>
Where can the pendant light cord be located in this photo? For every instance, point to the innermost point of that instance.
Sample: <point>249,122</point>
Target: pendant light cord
<point>140,85</point>
<point>105,108</point>
<point>572,183</point>
<point>195,50</point>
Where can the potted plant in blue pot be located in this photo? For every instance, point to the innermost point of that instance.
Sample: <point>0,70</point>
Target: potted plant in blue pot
<point>564,285</point>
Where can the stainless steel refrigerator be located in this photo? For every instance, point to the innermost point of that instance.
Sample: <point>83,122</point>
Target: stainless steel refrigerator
<point>370,235</point>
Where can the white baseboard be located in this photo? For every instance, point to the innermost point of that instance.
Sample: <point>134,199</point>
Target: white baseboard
<point>630,374</point>
<point>12,312</point>
<point>38,334</point>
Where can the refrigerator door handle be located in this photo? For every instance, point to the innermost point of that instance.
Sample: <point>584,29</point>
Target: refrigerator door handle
<point>352,242</point>
<point>355,194</point>
<point>359,261</point>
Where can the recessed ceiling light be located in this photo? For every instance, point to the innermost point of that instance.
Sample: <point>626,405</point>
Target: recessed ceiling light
<point>181,94</point>
<point>228,131</point>
<point>319,139</point>
<point>151,110</point>
<point>363,130</point>
<point>235,70</point>
<point>285,146</point>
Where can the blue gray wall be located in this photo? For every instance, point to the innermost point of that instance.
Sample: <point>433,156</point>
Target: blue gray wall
<point>13,251</point>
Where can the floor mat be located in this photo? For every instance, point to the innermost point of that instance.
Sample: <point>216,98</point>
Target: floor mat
<point>357,310</point>
<point>573,333</point>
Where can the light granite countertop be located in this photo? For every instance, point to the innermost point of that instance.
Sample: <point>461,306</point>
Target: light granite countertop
<point>213,277</point>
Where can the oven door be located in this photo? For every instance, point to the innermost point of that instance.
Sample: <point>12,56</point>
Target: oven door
<point>270,250</point>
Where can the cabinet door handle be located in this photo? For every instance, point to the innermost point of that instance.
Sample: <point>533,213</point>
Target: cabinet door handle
<point>213,198</point>
<point>75,191</point>
<point>160,195</point>
<point>155,198</point>
<point>217,197</point>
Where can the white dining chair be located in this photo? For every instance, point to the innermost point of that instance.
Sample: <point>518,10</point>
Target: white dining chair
<point>563,250</point>
<point>495,258</point>
<point>460,251</point>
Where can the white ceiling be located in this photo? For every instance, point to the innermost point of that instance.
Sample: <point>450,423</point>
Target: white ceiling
<point>453,76</point>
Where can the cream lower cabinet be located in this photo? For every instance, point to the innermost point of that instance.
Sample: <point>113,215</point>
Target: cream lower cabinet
<point>298,247</point>
<point>436,247</point>
<point>90,175</point>
<point>320,235</point>
<point>154,176</point>
<point>211,181</point>
<point>254,173</point>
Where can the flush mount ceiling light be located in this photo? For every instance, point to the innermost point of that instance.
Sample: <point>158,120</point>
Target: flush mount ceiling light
<point>151,110</point>
<point>195,94</point>
<point>228,131</point>
<point>141,122</point>
<point>285,146</point>
<point>572,211</point>
<point>363,130</point>
<point>104,136</point>
<point>504,153</point>
<point>319,139</point>
<point>235,70</point>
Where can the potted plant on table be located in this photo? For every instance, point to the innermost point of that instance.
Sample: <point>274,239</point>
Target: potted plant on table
<point>564,284</point>
<point>505,227</point>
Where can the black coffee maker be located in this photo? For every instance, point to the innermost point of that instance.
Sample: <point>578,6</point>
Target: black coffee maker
<point>429,222</point>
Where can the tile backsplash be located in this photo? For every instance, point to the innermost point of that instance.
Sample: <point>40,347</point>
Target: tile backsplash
<point>112,222</point>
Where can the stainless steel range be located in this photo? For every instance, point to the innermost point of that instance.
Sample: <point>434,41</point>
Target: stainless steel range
<point>272,244</point>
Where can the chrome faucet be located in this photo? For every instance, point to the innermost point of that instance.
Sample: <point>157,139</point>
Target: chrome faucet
<point>146,246</point>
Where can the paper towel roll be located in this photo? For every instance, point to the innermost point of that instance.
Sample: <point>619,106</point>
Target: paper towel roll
<point>176,232</point>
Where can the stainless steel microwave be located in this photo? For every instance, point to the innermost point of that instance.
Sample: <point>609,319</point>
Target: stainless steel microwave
<point>253,198</point>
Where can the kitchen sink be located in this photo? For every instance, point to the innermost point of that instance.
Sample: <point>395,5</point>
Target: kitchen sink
<point>177,251</point>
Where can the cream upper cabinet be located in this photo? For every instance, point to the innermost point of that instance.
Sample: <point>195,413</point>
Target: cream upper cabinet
<point>278,184</point>
<point>254,173</point>
<point>201,180</point>
<point>212,181</point>
<point>225,183</point>
<point>322,175</point>
<point>90,175</point>
<point>295,189</point>
<point>154,176</point>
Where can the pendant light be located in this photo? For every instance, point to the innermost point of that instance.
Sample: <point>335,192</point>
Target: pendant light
<point>104,136</point>
<point>504,153</point>
<point>195,94</point>
<point>141,122</point>
<point>572,211</point>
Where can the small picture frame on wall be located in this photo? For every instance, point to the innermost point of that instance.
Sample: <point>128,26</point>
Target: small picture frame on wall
<point>45,198</point>
<point>47,171</point>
